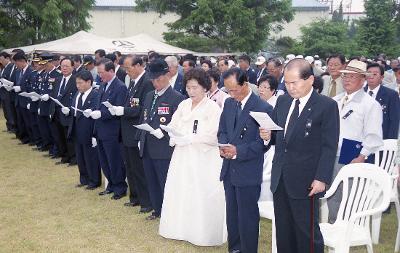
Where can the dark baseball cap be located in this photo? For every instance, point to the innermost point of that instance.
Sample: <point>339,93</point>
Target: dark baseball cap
<point>87,60</point>
<point>157,68</point>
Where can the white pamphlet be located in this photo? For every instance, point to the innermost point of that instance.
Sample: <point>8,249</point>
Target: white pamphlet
<point>265,121</point>
<point>5,82</point>
<point>223,145</point>
<point>145,127</point>
<point>76,109</point>
<point>57,102</point>
<point>171,131</point>
<point>107,104</point>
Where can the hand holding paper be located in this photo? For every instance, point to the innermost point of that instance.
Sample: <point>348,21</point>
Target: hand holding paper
<point>111,110</point>
<point>45,97</point>
<point>265,121</point>
<point>119,110</point>
<point>171,131</point>
<point>17,88</point>
<point>34,99</point>
<point>95,115</point>
<point>87,113</point>
<point>65,111</point>
<point>94,142</point>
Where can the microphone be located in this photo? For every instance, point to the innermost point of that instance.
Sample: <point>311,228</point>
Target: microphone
<point>195,123</point>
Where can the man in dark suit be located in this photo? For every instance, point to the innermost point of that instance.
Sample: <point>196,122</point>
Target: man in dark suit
<point>387,98</point>
<point>5,60</point>
<point>107,129</point>
<point>60,117</point>
<point>22,84</point>
<point>130,113</point>
<point>305,154</point>
<point>158,108</point>
<point>244,64</point>
<point>176,78</point>
<point>119,72</point>
<point>78,66</point>
<point>47,85</point>
<point>243,161</point>
<point>81,130</point>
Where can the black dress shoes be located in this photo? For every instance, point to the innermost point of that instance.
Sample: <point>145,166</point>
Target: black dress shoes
<point>234,251</point>
<point>118,196</point>
<point>61,162</point>
<point>80,185</point>
<point>153,216</point>
<point>105,192</point>
<point>91,187</point>
<point>132,204</point>
<point>146,210</point>
<point>72,164</point>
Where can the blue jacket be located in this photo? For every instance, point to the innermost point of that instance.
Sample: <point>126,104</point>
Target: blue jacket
<point>24,82</point>
<point>246,169</point>
<point>108,127</point>
<point>390,102</point>
<point>46,86</point>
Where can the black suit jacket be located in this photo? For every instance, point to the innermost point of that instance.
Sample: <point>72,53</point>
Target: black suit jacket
<point>81,128</point>
<point>65,98</point>
<point>24,83</point>
<point>309,152</point>
<point>165,107</point>
<point>133,109</point>
<point>121,74</point>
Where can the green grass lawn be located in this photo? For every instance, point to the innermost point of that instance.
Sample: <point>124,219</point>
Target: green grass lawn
<point>42,211</point>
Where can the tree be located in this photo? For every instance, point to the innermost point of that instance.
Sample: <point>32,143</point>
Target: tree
<point>33,21</point>
<point>377,31</point>
<point>221,25</point>
<point>337,15</point>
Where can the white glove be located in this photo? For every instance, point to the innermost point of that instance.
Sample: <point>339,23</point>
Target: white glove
<point>157,133</point>
<point>183,140</point>
<point>38,111</point>
<point>45,97</point>
<point>34,99</point>
<point>94,142</point>
<point>119,110</point>
<point>87,113</point>
<point>95,114</point>
<point>112,110</point>
<point>8,88</point>
<point>65,111</point>
<point>28,106</point>
<point>17,88</point>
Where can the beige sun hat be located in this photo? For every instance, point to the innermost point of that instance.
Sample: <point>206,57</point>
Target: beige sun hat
<point>357,67</point>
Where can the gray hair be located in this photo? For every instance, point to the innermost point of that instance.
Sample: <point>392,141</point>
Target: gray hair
<point>171,61</point>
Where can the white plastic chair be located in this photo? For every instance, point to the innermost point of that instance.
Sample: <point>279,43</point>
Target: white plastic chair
<point>366,191</point>
<point>265,203</point>
<point>385,159</point>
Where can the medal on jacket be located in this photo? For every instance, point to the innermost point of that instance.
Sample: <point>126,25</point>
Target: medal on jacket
<point>134,102</point>
<point>145,115</point>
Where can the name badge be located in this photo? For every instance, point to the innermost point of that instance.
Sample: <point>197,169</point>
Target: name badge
<point>163,110</point>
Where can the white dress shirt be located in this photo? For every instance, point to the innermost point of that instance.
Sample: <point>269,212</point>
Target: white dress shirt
<point>66,81</point>
<point>363,124</point>
<point>84,96</point>
<point>303,102</point>
<point>173,80</point>
<point>374,91</point>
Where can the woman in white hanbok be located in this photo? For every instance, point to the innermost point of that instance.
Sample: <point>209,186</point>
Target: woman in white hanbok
<point>194,202</point>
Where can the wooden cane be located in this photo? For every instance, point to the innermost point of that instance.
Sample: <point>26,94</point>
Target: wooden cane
<point>312,225</point>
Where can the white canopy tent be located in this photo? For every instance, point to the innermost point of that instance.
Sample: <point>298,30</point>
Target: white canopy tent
<point>87,43</point>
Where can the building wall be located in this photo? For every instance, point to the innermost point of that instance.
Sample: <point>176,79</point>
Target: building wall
<point>301,18</point>
<point>125,23</point>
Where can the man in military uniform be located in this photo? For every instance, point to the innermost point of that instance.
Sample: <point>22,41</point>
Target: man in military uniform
<point>130,115</point>
<point>8,107</point>
<point>47,83</point>
<point>159,106</point>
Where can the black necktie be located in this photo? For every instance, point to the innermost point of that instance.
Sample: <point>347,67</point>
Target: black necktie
<point>238,112</point>
<point>371,93</point>
<point>293,118</point>
<point>62,86</point>
<point>80,102</point>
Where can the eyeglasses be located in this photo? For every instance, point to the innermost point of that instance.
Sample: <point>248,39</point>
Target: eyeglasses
<point>350,76</point>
